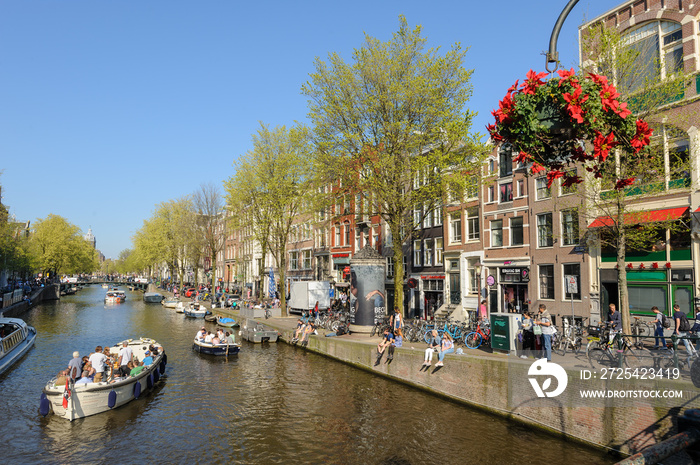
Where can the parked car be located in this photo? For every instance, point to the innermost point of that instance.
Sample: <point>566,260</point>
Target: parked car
<point>191,292</point>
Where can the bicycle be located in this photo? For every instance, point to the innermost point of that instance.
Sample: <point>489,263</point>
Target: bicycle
<point>268,313</point>
<point>640,328</point>
<point>474,339</point>
<point>380,326</point>
<point>599,349</point>
<point>572,336</point>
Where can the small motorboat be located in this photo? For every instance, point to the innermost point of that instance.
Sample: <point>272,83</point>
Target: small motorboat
<point>210,318</point>
<point>226,322</point>
<point>215,349</point>
<point>170,302</point>
<point>115,297</point>
<point>153,297</point>
<point>196,310</point>
<point>105,286</point>
<point>17,339</point>
<point>71,401</point>
<point>258,332</point>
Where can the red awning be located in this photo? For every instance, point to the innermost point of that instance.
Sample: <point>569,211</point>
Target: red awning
<point>649,216</point>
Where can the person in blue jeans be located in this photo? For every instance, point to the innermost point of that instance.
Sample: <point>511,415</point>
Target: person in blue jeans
<point>544,319</point>
<point>658,328</point>
<point>446,347</point>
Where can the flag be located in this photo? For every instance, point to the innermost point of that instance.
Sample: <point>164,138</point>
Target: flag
<point>66,395</point>
<point>273,286</point>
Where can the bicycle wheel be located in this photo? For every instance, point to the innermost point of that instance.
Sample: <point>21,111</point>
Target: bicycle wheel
<point>428,336</point>
<point>374,331</point>
<point>562,345</point>
<point>472,340</point>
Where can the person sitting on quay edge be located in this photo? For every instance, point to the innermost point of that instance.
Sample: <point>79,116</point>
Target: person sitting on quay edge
<point>433,346</point>
<point>300,329</point>
<point>310,328</point>
<point>386,342</point>
<point>446,347</point>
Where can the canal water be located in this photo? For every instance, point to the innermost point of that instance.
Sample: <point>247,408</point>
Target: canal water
<point>269,404</point>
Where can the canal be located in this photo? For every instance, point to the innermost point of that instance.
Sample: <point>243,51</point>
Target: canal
<point>269,404</point>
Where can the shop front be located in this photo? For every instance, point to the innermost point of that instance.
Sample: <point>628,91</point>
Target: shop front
<point>433,294</point>
<point>514,283</point>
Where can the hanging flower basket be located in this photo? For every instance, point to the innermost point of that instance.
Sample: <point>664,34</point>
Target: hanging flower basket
<point>629,266</point>
<point>668,265</point>
<point>655,265</point>
<point>641,266</point>
<point>565,120</point>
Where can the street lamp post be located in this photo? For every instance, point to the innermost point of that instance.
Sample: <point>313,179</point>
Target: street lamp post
<point>477,269</point>
<point>552,54</point>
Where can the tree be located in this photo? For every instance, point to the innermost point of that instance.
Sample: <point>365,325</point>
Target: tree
<point>654,88</point>
<point>59,247</point>
<point>392,127</point>
<point>270,188</point>
<point>209,210</point>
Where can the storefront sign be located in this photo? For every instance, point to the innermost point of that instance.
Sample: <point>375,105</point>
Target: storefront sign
<point>432,277</point>
<point>500,332</point>
<point>490,280</point>
<point>519,274</point>
<point>340,255</point>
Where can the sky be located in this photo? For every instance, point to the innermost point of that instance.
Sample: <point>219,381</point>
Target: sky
<point>108,109</point>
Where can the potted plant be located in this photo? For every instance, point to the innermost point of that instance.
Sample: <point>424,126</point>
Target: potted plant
<point>567,119</point>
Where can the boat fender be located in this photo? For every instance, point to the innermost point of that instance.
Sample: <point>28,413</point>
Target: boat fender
<point>156,376</point>
<point>112,399</point>
<point>44,405</point>
<point>137,390</point>
<point>165,359</point>
<point>149,382</point>
<point>162,368</point>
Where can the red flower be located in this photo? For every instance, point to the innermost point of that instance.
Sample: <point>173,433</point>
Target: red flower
<point>668,265</point>
<point>536,168</point>
<point>570,180</point>
<point>574,101</point>
<point>608,94</point>
<point>622,183</point>
<point>505,107</point>
<point>580,155</point>
<point>533,81</point>
<point>552,175</point>
<point>491,128</point>
<point>514,87</point>
<point>602,146</point>
<point>655,265</point>
<point>629,266</point>
<point>598,79</point>
<point>642,136</point>
<point>522,157</point>
<point>564,74</point>
<point>622,110</point>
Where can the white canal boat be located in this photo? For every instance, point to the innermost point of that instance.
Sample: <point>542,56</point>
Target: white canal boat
<point>17,339</point>
<point>170,302</point>
<point>115,297</point>
<point>153,297</point>
<point>82,400</point>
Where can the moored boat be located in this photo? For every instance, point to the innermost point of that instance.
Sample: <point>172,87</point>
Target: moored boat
<point>71,401</point>
<point>258,332</point>
<point>170,302</point>
<point>215,349</point>
<point>226,322</point>
<point>17,339</point>
<point>196,310</point>
<point>153,297</point>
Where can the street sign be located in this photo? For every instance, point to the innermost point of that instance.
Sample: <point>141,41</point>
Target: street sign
<point>571,284</point>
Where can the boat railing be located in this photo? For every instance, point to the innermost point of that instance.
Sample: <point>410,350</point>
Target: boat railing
<point>13,339</point>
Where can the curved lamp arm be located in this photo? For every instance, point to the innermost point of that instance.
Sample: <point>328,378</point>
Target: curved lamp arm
<point>553,55</point>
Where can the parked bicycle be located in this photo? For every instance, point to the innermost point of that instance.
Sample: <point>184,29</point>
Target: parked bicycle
<point>481,335</point>
<point>571,337</point>
<point>604,348</point>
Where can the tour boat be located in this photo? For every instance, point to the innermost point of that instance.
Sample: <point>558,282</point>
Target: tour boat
<point>17,339</point>
<point>226,322</point>
<point>153,297</point>
<point>71,401</point>
<point>215,349</point>
<point>105,286</point>
<point>170,302</point>
<point>115,297</point>
<point>196,310</point>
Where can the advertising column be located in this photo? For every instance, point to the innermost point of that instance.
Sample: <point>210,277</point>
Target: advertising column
<point>367,293</point>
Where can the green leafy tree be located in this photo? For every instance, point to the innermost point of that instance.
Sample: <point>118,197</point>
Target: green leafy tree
<point>59,247</point>
<point>209,208</point>
<point>392,126</point>
<point>271,187</point>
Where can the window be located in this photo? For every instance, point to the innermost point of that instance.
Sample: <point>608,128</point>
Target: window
<point>492,166</point>
<point>546,281</point>
<point>505,162</point>
<point>516,231</point>
<point>375,238</point>
<point>473,277</point>
<point>572,269</point>
<point>389,267</point>
<point>416,253</point>
<point>428,252</point>
<point>643,297</point>
<point>347,234</point>
<point>569,227</point>
<point>544,230</point>
<point>337,235</point>
<point>572,189</point>
<point>473,222</point>
<point>437,217</point>
<point>455,227</point>
<point>306,260</point>
<point>294,260</point>
<point>472,187</point>
<point>521,188</point>
<point>492,194</point>
<point>497,233</point>
<point>543,192</point>
<point>506,192</point>
<point>417,215</point>
<point>427,218</point>
<point>659,52</point>
<point>438,251</point>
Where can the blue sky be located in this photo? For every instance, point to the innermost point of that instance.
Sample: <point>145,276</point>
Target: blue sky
<point>109,108</point>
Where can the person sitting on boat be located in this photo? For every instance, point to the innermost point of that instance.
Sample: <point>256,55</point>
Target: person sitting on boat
<point>208,338</point>
<point>85,378</point>
<point>200,334</point>
<point>147,360</point>
<point>125,356</point>
<point>230,338</point>
<point>153,349</point>
<point>61,378</point>
<point>90,369</point>
<point>98,359</point>
<point>215,340</point>
<point>135,368</point>
<point>75,366</point>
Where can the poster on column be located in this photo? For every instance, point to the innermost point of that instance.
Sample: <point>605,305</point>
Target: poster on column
<point>367,295</point>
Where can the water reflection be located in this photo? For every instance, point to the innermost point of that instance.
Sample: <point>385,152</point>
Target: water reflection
<point>268,404</point>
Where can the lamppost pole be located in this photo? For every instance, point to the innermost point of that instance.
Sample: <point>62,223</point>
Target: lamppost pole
<point>553,55</point>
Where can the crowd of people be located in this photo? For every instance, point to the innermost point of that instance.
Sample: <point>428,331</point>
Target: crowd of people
<point>215,338</point>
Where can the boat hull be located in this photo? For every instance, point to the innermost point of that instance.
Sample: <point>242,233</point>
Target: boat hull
<point>218,349</point>
<point>153,298</point>
<point>19,350</point>
<point>258,333</point>
<point>93,398</point>
<point>225,323</point>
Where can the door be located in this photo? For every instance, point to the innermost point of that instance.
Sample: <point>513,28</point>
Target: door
<point>683,296</point>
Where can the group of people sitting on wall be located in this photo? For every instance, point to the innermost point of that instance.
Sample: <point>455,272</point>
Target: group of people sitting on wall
<point>101,365</point>
<point>392,337</point>
<point>305,327</point>
<point>219,337</point>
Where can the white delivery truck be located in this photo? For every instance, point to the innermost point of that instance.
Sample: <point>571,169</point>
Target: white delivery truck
<point>303,295</point>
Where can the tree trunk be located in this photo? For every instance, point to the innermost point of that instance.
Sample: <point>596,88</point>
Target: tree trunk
<point>398,269</point>
<point>282,288</point>
<point>624,307</point>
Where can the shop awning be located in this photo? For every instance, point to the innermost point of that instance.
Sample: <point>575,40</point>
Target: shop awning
<point>649,216</point>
